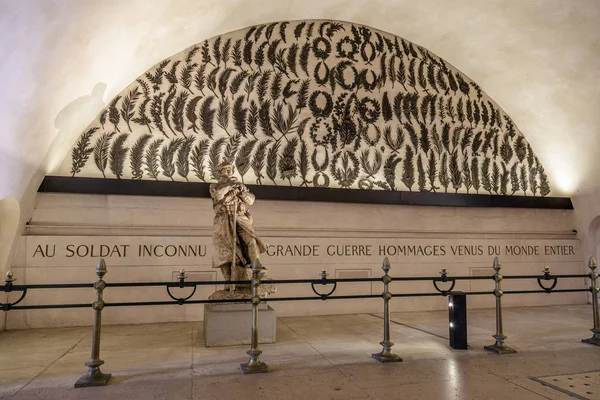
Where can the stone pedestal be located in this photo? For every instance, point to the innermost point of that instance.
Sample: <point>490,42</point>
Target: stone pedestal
<point>231,324</point>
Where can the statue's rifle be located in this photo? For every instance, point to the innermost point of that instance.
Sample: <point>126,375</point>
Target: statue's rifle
<point>234,248</point>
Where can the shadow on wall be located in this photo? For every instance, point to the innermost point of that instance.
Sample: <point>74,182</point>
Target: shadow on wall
<point>9,225</point>
<point>25,177</point>
<point>71,120</point>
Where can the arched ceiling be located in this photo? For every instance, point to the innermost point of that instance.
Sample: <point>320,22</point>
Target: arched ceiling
<point>62,61</point>
<point>310,103</point>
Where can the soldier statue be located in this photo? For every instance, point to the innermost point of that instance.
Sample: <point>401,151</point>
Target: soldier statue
<point>235,243</point>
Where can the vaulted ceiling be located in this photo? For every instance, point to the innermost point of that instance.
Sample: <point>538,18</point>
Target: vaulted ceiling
<point>64,61</point>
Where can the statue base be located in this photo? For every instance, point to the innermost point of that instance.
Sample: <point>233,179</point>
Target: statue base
<point>242,293</point>
<point>230,324</point>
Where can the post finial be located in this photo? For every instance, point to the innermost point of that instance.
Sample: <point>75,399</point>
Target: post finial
<point>9,277</point>
<point>256,265</point>
<point>496,264</point>
<point>324,274</point>
<point>101,268</point>
<point>386,265</point>
<point>181,275</point>
<point>592,263</point>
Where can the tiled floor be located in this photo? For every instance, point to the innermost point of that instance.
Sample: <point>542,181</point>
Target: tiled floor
<point>314,358</point>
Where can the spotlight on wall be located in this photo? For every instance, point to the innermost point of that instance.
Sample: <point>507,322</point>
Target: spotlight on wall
<point>457,315</point>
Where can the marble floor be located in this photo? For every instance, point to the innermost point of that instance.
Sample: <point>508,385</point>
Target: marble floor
<point>325,357</point>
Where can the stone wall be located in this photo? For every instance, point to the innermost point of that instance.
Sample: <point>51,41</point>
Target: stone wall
<point>349,240</point>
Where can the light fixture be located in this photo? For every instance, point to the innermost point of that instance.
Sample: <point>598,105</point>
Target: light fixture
<point>457,317</point>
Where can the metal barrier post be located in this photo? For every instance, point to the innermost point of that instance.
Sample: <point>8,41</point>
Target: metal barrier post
<point>386,355</point>
<point>595,339</point>
<point>499,347</point>
<point>254,365</point>
<point>95,377</point>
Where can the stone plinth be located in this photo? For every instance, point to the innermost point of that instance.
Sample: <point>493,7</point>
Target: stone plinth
<point>231,324</point>
<point>264,290</point>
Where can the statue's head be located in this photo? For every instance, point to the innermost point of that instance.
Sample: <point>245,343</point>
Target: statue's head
<point>225,169</point>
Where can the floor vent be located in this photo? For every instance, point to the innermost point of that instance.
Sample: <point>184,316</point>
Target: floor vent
<point>584,385</point>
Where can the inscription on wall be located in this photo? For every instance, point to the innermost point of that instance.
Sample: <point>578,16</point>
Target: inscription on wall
<point>426,250</point>
<point>122,251</point>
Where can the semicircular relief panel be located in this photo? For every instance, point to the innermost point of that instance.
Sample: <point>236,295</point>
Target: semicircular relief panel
<point>310,103</point>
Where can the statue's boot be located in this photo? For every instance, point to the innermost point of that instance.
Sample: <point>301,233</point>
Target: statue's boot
<point>226,271</point>
<point>244,274</point>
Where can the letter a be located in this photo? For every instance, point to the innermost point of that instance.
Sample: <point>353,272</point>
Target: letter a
<point>38,249</point>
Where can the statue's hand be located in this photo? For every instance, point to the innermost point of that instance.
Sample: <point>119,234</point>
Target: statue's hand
<point>234,189</point>
<point>230,197</point>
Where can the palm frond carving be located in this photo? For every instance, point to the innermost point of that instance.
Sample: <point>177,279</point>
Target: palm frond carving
<point>118,153</point>
<point>136,159</point>
<point>182,164</point>
<point>82,151</point>
<point>151,159</point>
<point>197,159</point>
<point>101,151</point>
<point>242,160</point>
